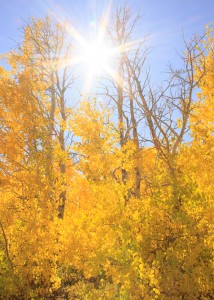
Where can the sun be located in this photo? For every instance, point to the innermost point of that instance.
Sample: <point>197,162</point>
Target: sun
<point>93,56</point>
<point>96,57</point>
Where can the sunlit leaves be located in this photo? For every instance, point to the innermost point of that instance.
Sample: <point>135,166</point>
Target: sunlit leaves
<point>109,244</point>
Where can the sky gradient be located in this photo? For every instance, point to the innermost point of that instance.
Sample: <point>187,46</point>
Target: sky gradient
<point>162,20</point>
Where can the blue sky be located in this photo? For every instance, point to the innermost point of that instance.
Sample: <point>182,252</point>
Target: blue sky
<point>163,20</point>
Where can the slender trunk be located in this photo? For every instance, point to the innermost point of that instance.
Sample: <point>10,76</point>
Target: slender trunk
<point>49,165</point>
<point>136,142</point>
<point>135,136</point>
<point>62,200</point>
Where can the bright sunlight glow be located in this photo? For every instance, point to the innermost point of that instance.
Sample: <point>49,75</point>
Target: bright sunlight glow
<point>96,57</point>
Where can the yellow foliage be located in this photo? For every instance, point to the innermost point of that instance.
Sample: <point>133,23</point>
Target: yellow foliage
<point>110,244</point>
